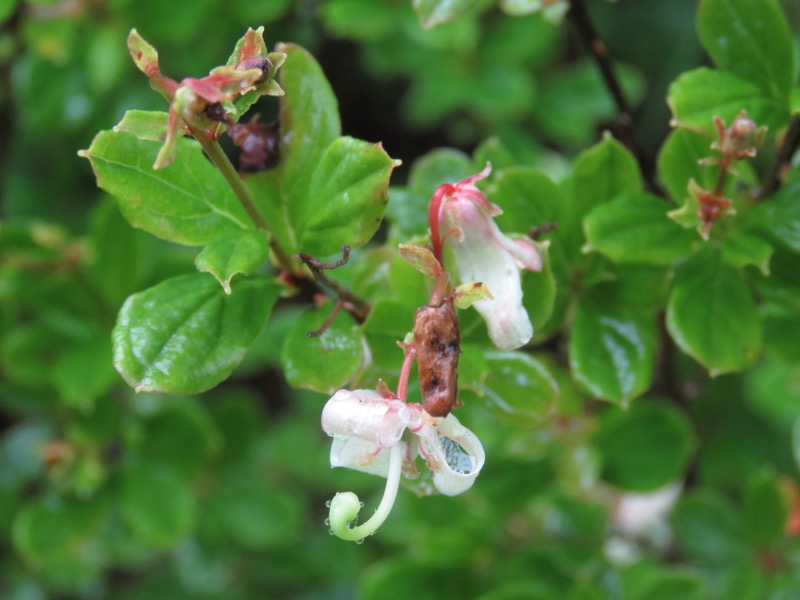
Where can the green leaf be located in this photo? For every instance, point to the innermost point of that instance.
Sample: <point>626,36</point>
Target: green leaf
<point>187,202</point>
<point>708,529</point>
<point>779,218</point>
<point>258,515</point>
<point>645,447</point>
<point>573,101</point>
<point>601,173</point>
<point>348,197</point>
<point>765,509</point>
<point>356,20</point>
<point>185,335</point>
<point>698,96</point>
<point>326,362</point>
<point>678,162</point>
<point>518,388</point>
<point>156,504</point>
<point>232,255</point>
<point>752,39</point>
<point>539,292</point>
<point>712,316</point>
<point>743,249</point>
<point>437,12</point>
<point>83,373</point>
<point>309,118</point>
<point>60,536</point>
<point>388,323</point>
<point>145,125</point>
<point>528,197</point>
<point>635,229</point>
<point>612,349</point>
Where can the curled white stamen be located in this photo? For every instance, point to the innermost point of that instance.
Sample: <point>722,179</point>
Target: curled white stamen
<point>345,506</point>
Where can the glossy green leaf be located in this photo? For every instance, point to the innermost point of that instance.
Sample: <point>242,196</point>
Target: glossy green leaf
<point>645,447</point>
<point>601,173</point>
<point>156,504</point>
<point>185,335</point>
<point>187,202</point>
<point>678,162</point>
<point>635,229</point>
<point>149,126</point>
<point>612,349</point>
<point>233,255</point>
<point>519,388</point>
<point>698,96</point>
<point>752,39</point>
<point>437,12</point>
<point>347,199</point>
<point>711,315</point>
<point>326,362</point>
<point>309,118</point>
<point>780,325</point>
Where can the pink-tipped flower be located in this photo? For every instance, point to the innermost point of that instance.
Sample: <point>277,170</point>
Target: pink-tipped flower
<point>462,219</point>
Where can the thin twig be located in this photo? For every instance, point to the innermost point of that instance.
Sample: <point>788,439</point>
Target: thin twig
<point>354,305</point>
<point>790,145</point>
<point>223,164</point>
<point>599,53</point>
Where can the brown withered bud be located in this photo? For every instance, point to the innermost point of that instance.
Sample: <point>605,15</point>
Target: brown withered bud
<point>255,62</point>
<point>259,144</point>
<point>216,112</point>
<point>437,343</point>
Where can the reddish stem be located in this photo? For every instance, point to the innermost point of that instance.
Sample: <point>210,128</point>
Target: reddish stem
<point>433,219</point>
<point>405,373</point>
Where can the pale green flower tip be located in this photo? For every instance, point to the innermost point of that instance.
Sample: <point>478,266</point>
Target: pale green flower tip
<point>344,509</point>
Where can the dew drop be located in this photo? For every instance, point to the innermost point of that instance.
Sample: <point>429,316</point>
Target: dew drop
<point>327,521</point>
<point>328,503</point>
<point>360,541</point>
<point>330,532</point>
<point>361,505</point>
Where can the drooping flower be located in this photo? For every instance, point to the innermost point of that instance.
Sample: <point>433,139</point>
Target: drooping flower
<point>462,220</point>
<point>369,435</point>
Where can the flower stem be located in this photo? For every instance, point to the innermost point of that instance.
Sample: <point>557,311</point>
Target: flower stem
<point>345,506</point>
<point>220,160</point>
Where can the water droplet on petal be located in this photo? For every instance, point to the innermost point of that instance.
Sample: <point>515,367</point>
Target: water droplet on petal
<point>328,503</point>
<point>360,541</point>
<point>327,521</point>
<point>330,532</point>
<point>361,504</point>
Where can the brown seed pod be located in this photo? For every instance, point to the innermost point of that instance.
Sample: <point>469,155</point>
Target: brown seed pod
<point>437,344</point>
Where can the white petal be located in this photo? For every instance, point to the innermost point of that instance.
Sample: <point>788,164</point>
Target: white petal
<point>366,415</point>
<point>360,455</point>
<point>455,455</point>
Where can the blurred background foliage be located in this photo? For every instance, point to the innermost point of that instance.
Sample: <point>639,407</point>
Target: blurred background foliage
<point>108,494</point>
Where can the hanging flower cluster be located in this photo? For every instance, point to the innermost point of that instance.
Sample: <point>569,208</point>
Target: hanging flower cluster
<point>378,431</point>
<point>202,104</point>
